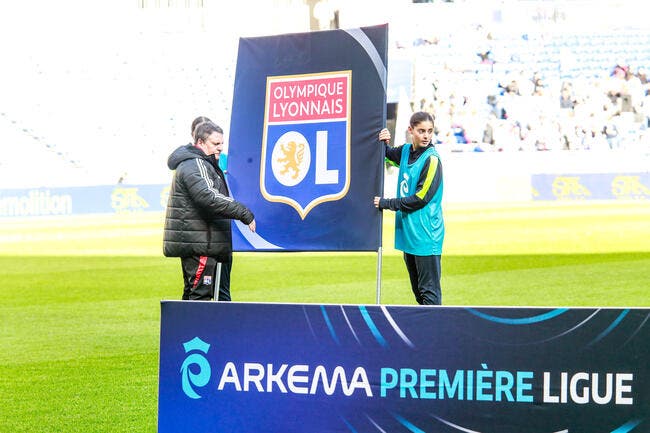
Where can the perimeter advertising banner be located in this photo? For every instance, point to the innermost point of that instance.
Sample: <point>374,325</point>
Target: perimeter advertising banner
<point>303,153</point>
<point>290,368</point>
<point>591,186</point>
<point>37,202</point>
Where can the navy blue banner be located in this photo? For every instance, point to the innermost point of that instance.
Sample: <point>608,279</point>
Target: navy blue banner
<point>303,151</point>
<point>237,367</point>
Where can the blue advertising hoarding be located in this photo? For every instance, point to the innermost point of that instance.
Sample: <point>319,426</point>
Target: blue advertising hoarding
<point>31,202</point>
<point>303,152</point>
<point>239,367</point>
<point>591,186</point>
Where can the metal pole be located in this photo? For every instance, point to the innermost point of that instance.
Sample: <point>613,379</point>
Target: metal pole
<point>217,282</point>
<point>379,276</point>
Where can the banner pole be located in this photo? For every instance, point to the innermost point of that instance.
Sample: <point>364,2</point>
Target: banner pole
<point>217,282</point>
<point>381,219</point>
<point>379,276</point>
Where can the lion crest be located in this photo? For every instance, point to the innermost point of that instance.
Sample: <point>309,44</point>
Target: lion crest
<point>292,158</point>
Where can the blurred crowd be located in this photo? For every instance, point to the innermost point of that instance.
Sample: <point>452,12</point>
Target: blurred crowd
<point>492,104</point>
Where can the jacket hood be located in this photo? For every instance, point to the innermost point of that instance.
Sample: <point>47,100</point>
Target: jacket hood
<point>183,153</point>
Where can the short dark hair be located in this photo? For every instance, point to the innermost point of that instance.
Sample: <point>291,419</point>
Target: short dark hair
<point>204,129</point>
<point>420,116</point>
<point>197,122</point>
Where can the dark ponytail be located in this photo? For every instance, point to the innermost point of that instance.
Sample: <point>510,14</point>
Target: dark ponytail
<point>420,116</point>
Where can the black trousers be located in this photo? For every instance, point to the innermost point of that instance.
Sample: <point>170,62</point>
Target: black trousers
<point>424,273</point>
<point>199,278</point>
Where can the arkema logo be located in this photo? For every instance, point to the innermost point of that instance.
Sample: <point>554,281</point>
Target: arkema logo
<point>283,378</point>
<point>195,371</point>
<point>482,385</point>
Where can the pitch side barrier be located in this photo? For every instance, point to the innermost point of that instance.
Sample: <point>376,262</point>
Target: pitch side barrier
<point>101,199</point>
<point>245,367</point>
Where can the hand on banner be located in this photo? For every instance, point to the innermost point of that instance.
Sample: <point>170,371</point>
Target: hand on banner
<point>384,135</point>
<point>252,226</point>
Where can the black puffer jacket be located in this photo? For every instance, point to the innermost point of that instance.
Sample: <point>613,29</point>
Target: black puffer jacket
<point>199,209</point>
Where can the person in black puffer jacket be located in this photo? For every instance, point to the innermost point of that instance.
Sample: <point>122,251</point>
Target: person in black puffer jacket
<point>199,213</point>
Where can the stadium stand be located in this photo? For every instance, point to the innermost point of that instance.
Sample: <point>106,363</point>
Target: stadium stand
<point>98,106</point>
<point>503,93</point>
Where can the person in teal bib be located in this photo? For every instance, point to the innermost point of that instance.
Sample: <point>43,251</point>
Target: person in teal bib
<point>419,225</point>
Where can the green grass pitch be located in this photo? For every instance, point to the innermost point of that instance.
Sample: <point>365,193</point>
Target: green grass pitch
<point>80,304</point>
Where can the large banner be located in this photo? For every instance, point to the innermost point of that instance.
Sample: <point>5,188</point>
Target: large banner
<point>237,367</point>
<point>303,150</point>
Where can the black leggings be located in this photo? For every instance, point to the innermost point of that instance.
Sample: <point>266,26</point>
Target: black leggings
<point>424,273</point>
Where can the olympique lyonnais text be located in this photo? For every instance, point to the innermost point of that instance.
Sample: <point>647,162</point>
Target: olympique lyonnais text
<point>311,99</point>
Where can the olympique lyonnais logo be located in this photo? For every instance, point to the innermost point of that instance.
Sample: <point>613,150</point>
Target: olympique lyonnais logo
<point>306,142</point>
